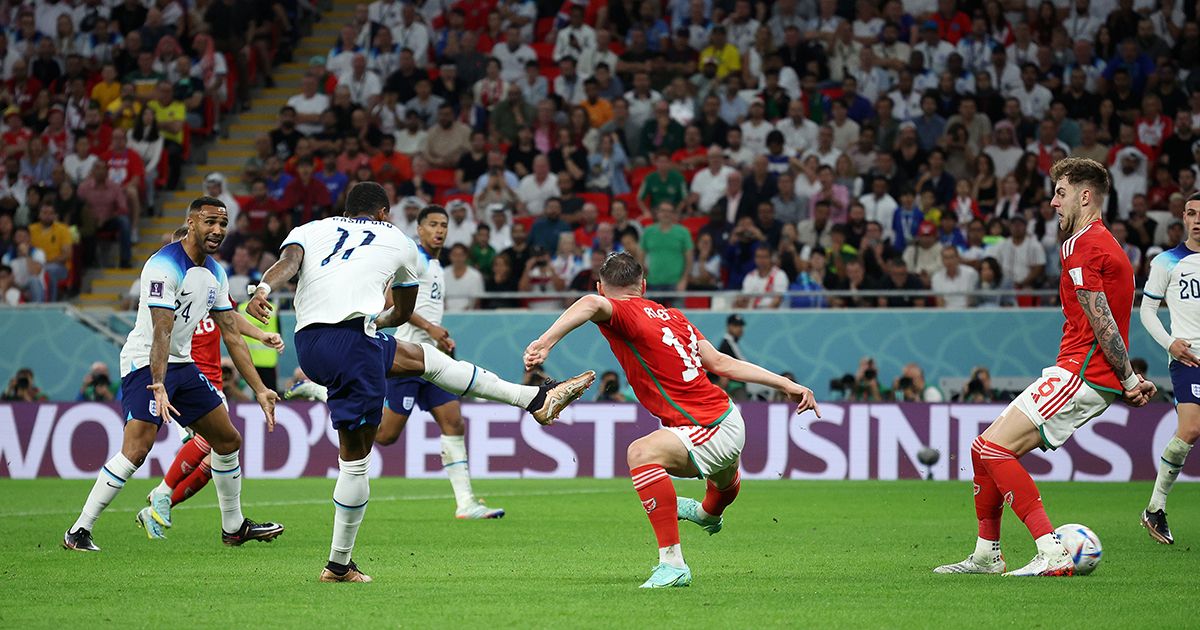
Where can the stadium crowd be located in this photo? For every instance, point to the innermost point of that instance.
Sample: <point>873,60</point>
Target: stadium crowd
<point>760,147</point>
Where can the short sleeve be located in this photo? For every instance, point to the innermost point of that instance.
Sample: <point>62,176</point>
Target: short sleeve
<point>295,237</point>
<point>160,281</point>
<point>222,303</point>
<point>1160,277</point>
<point>411,269</point>
<point>1084,263</point>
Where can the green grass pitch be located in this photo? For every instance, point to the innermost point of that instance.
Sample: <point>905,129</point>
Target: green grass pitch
<point>571,553</point>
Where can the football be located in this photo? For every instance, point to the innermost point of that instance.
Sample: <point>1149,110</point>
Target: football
<point>1083,545</point>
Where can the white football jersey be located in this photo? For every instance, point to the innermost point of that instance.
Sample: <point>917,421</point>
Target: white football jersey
<point>171,280</point>
<point>1175,279</point>
<point>348,264</point>
<point>431,300</point>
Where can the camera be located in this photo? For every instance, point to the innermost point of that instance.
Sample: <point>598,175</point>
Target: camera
<point>843,384</point>
<point>101,380</point>
<point>975,386</point>
<point>611,386</point>
<point>870,374</point>
<point>22,382</point>
<point>906,382</point>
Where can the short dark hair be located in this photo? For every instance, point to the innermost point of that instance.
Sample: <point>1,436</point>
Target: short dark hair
<point>431,210</point>
<point>1084,171</point>
<point>621,269</point>
<point>457,246</point>
<point>200,202</point>
<point>365,199</point>
<point>1193,197</point>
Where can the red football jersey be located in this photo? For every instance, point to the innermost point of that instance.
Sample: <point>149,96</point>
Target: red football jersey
<point>1092,260</point>
<point>659,350</point>
<point>206,350</point>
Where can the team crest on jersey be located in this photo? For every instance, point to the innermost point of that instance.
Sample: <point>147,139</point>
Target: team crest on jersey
<point>156,288</point>
<point>650,504</point>
<point>154,408</point>
<point>212,296</point>
<point>1195,390</point>
<point>408,402</point>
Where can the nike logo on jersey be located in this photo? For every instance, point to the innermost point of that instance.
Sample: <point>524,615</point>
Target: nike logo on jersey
<point>1184,275</point>
<point>185,293</point>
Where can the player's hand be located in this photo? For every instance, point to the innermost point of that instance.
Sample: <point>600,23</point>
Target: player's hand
<point>536,353</point>
<point>274,341</point>
<point>259,308</point>
<point>804,399</point>
<point>267,399</point>
<point>1180,351</point>
<point>441,337</point>
<point>1141,394</point>
<point>165,410</point>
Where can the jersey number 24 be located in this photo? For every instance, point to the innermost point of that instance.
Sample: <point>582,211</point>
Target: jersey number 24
<point>370,236</point>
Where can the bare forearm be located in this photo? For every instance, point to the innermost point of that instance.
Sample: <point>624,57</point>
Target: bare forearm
<point>160,350</point>
<point>738,370</point>
<point>244,327</point>
<point>285,268</point>
<point>241,360</point>
<point>581,312</point>
<point>1108,336</point>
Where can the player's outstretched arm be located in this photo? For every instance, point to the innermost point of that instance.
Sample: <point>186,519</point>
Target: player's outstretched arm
<point>404,301</point>
<point>270,340</point>
<point>722,364</point>
<point>163,322</point>
<point>1180,349</point>
<point>589,308</point>
<point>283,270</point>
<point>232,336</point>
<point>1095,305</point>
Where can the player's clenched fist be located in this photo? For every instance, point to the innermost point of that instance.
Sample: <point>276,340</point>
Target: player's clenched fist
<point>536,353</point>
<point>259,308</point>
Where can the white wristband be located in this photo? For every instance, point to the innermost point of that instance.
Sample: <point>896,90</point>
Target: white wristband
<point>1131,383</point>
<point>265,288</point>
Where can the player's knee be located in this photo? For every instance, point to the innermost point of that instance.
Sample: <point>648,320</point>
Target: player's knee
<point>1190,434</point>
<point>135,453</point>
<point>386,437</point>
<point>637,454</point>
<point>227,444</point>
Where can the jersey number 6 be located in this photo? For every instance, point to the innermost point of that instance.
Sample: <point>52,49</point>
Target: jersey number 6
<point>370,236</point>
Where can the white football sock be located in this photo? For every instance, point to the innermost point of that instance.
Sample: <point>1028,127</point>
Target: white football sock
<point>454,462</point>
<point>1050,546</point>
<point>227,477</point>
<point>163,488</point>
<point>705,516</point>
<point>465,379</point>
<point>672,555</point>
<point>109,482</point>
<point>987,550</point>
<point>350,496</point>
<point>1168,471</point>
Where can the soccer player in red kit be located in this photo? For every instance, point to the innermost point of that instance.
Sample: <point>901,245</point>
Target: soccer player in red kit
<point>190,471</point>
<point>1092,371</point>
<point>666,361</point>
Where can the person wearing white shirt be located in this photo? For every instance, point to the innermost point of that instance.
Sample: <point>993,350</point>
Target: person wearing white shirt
<point>906,101</point>
<point>737,154</point>
<point>1004,152</point>
<point>513,55</point>
<point>337,60</point>
<point>538,186</point>
<point>385,12</point>
<point>521,14</point>
<point>880,205</point>
<point>1033,96</point>
<point>1022,259</point>
<point>741,26</point>
<point>500,234</point>
<point>576,38</point>
<point>934,49</point>
<point>765,279</point>
<point>708,185</point>
<point>460,227</point>
<point>799,132</point>
<point>598,54</point>
<point>756,128</point>
<point>464,283</point>
<point>845,131</point>
<point>78,165</point>
<point>1081,24</point>
<point>412,34</point>
<point>364,85</point>
<point>1024,49</point>
<point>975,47</point>
<point>309,105</point>
<point>568,85</point>
<point>1006,78</point>
<point>825,152</point>
<point>954,277</point>
<point>641,100</point>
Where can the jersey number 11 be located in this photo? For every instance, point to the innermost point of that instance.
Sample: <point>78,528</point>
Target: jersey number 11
<point>370,236</point>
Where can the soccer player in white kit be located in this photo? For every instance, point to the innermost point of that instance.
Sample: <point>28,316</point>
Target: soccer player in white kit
<point>405,393</point>
<point>181,285</point>
<point>1174,279</point>
<point>345,264</point>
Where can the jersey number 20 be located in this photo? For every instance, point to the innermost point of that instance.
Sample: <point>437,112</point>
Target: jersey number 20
<point>690,354</point>
<point>370,236</point>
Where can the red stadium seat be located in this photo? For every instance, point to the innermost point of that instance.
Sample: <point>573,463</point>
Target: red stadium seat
<point>543,28</point>
<point>637,175</point>
<point>697,302</point>
<point>440,177</point>
<point>526,221</point>
<point>631,204</point>
<point>243,200</point>
<point>231,84</point>
<point>600,199</point>
<point>461,197</point>
<point>545,53</point>
<point>693,224</point>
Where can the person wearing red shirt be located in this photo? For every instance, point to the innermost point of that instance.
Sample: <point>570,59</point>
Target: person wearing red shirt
<point>55,137</point>
<point>952,24</point>
<point>98,131</point>
<point>125,168</point>
<point>23,88</point>
<point>389,165</point>
<point>260,206</point>
<point>666,361</point>
<point>305,196</point>
<point>17,136</point>
<point>190,470</point>
<point>1093,370</point>
<point>304,150</point>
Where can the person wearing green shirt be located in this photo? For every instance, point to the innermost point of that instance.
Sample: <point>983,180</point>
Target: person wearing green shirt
<point>661,133</point>
<point>669,252</point>
<point>664,185</point>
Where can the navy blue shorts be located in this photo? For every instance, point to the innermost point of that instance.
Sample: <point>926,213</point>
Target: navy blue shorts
<point>1186,382</point>
<point>188,390</point>
<point>351,365</point>
<point>404,392</point>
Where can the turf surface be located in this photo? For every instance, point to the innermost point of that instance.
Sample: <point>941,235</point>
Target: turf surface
<point>571,554</point>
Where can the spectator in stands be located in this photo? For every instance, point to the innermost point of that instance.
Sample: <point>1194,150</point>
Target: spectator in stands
<point>305,197</point>
<point>704,273</point>
<point>365,89</point>
<point>106,202</point>
<point>53,238</point>
<point>125,167</point>
<point>537,187</point>
<point>903,283</point>
<point>10,295</point>
<point>417,186</point>
<point>910,386</point>
<point>766,278</point>
<point>512,114</point>
<point>461,226</point>
<point>464,283</point>
<point>662,185</point>
<point>606,168</point>
<point>170,115</point>
<point>547,227</point>
<point>512,55</point>
<point>1021,258</point>
<point>27,264</point>
<point>37,165</point>
<point>447,141</point>
<point>952,278</point>
<point>669,251</point>
<point>539,277</point>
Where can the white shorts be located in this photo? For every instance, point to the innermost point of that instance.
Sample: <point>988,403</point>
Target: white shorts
<point>714,448</point>
<point>1060,402</point>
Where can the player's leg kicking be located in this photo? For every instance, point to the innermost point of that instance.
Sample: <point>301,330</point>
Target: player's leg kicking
<point>1044,415</point>
<point>406,393</point>
<point>191,395</point>
<point>1154,518</point>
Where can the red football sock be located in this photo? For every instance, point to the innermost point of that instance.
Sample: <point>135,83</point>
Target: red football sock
<point>717,499</point>
<point>654,487</point>
<point>190,486</point>
<point>1016,486</point>
<point>989,503</point>
<point>186,460</point>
